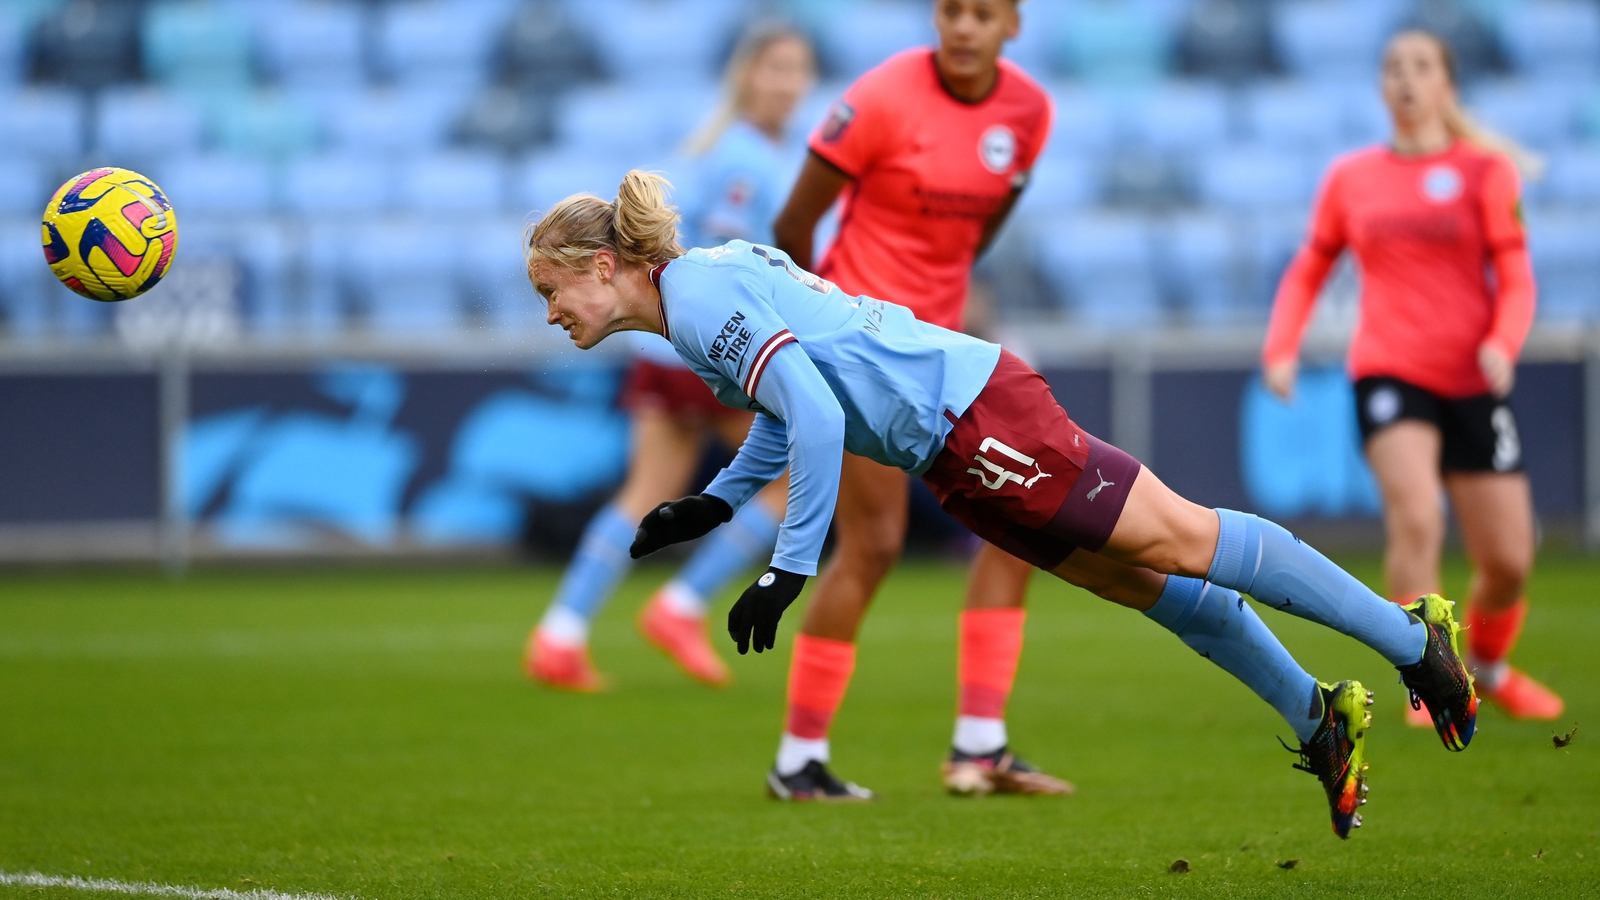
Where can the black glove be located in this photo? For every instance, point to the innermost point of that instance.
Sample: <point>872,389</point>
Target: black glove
<point>760,607</point>
<point>679,521</point>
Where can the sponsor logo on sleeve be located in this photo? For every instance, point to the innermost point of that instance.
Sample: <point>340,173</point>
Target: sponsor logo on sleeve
<point>839,119</point>
<point>997,148</point>
<point>731,342</point>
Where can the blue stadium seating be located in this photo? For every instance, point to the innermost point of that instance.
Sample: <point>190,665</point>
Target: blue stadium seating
<point>1186,117</point>
<point>315,44</point>
<point>405,277</point>
<point>12,48</point>
<point>1200,266</point>
<point>1268,241</point>
<point>197,45</point>
<point>437,43</point>
<point>1244,177</point>
<point>337,184</point>
<point>266,123</point>
<point>1540,114</point>
<point>138,124</point>
<point>1103,269</point>
<point>672,40</point>
<point>390,121</point>
<point>642,122</point>
<point>1330,40</point>
<point>1084,120</point>
<point>1060,182</point>
<point>42,122</point>
<point>22,277</point>
<point>547,178</point>
<point>24,186</point>
<point>215,184</point>
<point>494,277</point>
<point>1295,116</point>
<point>1573,178</point>
<point>1566,263</point>
<point>1114,42</point>
<point>454,183</point>
<point>1554,38</point>
<point>865,33</point>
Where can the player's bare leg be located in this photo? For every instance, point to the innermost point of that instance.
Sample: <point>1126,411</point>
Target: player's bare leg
<point>1405,461</point>
<point>1495,510</point>
<point>663,455</point>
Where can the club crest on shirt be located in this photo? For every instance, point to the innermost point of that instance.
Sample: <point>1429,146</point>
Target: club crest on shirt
<point>839,118</point>
<point>997,148</point>
<point>1441,184</point>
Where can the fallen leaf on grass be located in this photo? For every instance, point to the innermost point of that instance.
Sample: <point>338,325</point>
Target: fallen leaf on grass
<point>1561,740</point>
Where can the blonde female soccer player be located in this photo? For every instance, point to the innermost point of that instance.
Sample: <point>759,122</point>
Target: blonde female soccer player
<point>1447,297</point>
<point>827,372</point>
<point>744,164</point>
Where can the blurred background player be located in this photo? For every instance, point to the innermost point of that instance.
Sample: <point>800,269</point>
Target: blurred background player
<point>1434,357</point>
<point>931,150</point>
<point>743,163</point>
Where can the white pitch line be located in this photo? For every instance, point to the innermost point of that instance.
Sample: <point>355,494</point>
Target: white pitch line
<point>149,888</point>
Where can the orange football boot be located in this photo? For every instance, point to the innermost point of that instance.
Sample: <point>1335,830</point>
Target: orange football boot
<point>684,640</point>
<point>1520,697</point>
<point>561,666</point>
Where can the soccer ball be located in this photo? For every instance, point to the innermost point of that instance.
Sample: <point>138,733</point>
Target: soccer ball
<point>109,234</point>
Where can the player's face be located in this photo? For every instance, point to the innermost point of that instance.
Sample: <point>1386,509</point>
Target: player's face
<point>583,302</point>
<point>972,33</point>
<point>1416,81</point>
<point>779,78</point>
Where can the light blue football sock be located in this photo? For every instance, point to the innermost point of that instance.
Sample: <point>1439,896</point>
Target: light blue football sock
<point>601,561</point>
<point>728,551</point>
<point>1258,557</point>
<point>1218,624</point>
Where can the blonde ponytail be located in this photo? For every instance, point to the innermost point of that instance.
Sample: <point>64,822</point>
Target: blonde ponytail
<point>640,227</point>
<point>1463,127</point>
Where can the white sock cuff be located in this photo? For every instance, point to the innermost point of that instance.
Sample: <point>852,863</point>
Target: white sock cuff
<point>976,736</point>
<point>565,627</point>
<point>683,600</point>
<point>795,752</point>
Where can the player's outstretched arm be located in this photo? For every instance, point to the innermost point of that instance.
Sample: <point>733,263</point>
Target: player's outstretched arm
<point>814,425</point>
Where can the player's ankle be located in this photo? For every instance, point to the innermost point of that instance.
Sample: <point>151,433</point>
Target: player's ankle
<point>979,735</point>
<point>564,628</point>
<point>794,752</point>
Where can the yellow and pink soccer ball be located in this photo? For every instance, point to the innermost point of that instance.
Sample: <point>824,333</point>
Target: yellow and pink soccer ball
<point>109,234</point>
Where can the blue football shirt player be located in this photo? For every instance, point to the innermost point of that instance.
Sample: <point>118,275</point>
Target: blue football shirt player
<point>827,372</point>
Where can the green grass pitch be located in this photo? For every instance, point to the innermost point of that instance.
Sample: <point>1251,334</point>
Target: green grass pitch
<point>367,734</point>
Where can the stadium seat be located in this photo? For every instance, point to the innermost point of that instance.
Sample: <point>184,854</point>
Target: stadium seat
<point>1114,42</point>
<point>494,277</point>
<point>453,183</point>
<point>405,277</point>
<point>12,47</point>
<point>1566,263</point>
<point>1060,182</point>
<point>863,34</point>
<point>1573,179</point>
<point>315,43</point>
<point>336,184</point>
<point>674,40</point>
<point>1267,242</point>
<point>1199,263</point>
<point>1329,40</point>
<point>214,184</point>
<point>46,123</point>
<point>640,122</point>
<point>1554,38</point>
<point>1475,45</point>
<point>1035,48</point>
<point>138,124</point>
<point>393,121</point>
<point>1100,267</point>
<point>23,278</point>
<point>1294,116</point>
<point>266,123</point>
<point>24,186</point>
<point>1230,40</point>
<point>197,45</point>
<point>1247,178</point>
<point>547,178</point>
<point>1085,120</point>
<point>87,44</point>
<point>436,43</point>
<point>544,49</point>
<point>1539,114</point>
<point>1188,117</point>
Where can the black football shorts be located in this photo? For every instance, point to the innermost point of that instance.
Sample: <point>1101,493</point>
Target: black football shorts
<point>1479,433</point>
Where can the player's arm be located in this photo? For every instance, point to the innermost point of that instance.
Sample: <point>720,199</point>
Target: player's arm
<point>813,424</point>
<point>1514,286</point>
<point>813,193</point>
<point>1297,292</point>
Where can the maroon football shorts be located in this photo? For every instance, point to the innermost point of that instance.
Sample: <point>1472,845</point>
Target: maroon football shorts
<point>674,390</point>
<point>1024,477</point>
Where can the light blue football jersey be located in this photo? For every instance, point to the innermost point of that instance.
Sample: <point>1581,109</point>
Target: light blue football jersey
<point>830,372</point>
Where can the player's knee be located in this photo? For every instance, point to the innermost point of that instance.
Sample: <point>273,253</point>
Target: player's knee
<point>872,550</point>
<point>1504,573</point>
<point>1416,523</point>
